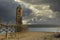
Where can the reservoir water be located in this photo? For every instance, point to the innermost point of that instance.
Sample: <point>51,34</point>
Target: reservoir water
<point>11,30</point>
<point>44,29</point>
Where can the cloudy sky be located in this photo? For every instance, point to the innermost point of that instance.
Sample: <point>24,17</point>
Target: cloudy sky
<point>34,11</point>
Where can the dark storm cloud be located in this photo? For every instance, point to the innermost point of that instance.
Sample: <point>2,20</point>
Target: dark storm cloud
<point>8,10</point>
<point>55,4</point>
<point>27,12</point>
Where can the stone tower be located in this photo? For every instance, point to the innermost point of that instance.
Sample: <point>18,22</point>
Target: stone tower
<point>19,27</point>
<point>19,15</point>
<point>19,19</point>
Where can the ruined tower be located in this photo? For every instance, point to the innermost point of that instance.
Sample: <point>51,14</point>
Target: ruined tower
<point>19,15</point>
<point>19,19</point>
<point>19,27</point>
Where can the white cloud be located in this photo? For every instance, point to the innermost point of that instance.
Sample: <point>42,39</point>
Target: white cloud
<point>40,13</point>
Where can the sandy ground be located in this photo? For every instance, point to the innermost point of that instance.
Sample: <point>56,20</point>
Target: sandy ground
<point>30,36</point>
